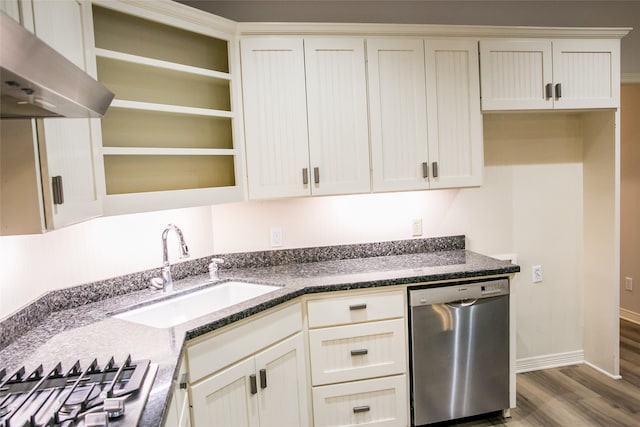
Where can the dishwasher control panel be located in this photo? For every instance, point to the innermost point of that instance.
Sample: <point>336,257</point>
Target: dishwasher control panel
<point>458,292</point>
<point>495,287</point>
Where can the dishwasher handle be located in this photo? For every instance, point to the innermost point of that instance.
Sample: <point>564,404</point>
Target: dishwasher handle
<point>462,303</point>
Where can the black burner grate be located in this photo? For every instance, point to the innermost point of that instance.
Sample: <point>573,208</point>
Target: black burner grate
<point>64,399</point>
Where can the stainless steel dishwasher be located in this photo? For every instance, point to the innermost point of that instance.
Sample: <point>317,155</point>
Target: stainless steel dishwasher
<point>459,350</point>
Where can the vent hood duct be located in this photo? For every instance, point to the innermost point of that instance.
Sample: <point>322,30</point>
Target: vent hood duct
<point>37,81</point>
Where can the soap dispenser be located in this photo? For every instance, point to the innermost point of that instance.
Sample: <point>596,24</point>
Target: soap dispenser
<point>213,268</point>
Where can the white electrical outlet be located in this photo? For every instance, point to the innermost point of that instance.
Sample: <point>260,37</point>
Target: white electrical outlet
<point>416,227</point>
<point>536,273</point>
<point>276,237</point>
<point>628,283</point>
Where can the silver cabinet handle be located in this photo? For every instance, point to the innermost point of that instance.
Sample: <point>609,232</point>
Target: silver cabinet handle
<point>56,189</point>
<point>263,378</point>
<point>558,90</point>
<point>548,91</point>
<point>434,169</point>
<point>253,385</point>
<point>425,170</point>
<point>358,409</point>
<point>357,307</point>
<point>305,176</point>
<point>359,352</point>
<point>183,381</point>
<point>316,175</point>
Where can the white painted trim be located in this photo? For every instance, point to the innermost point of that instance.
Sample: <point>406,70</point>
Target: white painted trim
<point>549,361</point>
<point>602,371</point>
<point>176,14</point>
<point>512,258</point>
<point>630,78</point>
<point>629,315</point>
<point>427,30</point>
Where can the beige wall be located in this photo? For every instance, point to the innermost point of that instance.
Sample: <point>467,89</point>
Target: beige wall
<point>558,13</point>
<point>530,204</point>
<point>630,196</point>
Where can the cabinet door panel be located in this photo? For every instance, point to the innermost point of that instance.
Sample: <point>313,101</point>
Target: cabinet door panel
<point>337,106</point>
<point>275,116</point>
<point>355,308</point>
<point>588,71</point>
<point>514,74</point>
<point>453,98</point>
<point>66,145</point>
<point>225,399</point>
<point>379,402</point>
<point>283,400</point>
<point>398,122</point>
<point>353,352</point>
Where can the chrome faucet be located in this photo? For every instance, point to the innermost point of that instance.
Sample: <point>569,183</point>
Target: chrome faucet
<point>166,281</point>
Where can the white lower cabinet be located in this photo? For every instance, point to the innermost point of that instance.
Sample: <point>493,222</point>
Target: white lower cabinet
<point>252,374</point>
<point>179,410</point>
<point>268,389</point>
<point>376,402</point>
<point>357,348</point>
<point>352,352</point>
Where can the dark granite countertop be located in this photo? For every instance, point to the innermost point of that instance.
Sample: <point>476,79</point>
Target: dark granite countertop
<point>89,331</point>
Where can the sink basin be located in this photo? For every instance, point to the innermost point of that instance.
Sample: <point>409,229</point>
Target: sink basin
<point>183,308</point>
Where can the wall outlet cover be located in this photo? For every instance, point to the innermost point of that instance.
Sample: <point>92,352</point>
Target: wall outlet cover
<point>628,283</point>
<point>276,237</point>
<point>536,273</point>
<point>416,227</point>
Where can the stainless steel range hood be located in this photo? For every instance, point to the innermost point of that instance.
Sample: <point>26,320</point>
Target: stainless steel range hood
<point>37,81</point>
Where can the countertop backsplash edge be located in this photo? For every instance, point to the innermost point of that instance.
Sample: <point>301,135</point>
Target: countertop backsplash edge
<point>35,312</point>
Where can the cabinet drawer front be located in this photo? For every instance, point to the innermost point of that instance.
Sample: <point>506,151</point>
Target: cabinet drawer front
<point>354,352</point>
<point>379,402</point>
<point>210,355</point>
<point>355,308</point>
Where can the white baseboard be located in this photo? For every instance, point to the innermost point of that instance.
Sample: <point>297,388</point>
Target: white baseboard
<point>549,361</point>
<point>602,371</point>
<point>556,361</point>
<point>630,78</point>
<point>629,315</point>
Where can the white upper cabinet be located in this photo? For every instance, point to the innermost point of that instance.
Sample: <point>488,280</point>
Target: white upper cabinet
<point>337,114</point>
<point>398,109</point>
<point>305,116</point>
<point>587,72</point>
<point>69,142</point>
<point>168,139</point>
<point>426,127</point>
<point>60,156</point>
<point>544,74</point>
<point>275,116</point>
<point>453,110</point>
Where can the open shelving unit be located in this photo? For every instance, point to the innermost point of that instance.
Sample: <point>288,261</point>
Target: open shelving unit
<point>170,127</point>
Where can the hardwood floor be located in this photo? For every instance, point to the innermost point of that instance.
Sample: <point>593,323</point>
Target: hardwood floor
<point>577,395</point>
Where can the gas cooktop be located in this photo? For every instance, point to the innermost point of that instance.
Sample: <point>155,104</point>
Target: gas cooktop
<point>113,395</point>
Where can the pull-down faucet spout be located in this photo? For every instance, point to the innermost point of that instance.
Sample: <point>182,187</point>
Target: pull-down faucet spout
<point>166,281</point>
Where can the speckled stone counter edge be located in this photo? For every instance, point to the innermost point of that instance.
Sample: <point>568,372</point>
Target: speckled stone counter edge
<point>33,314</point>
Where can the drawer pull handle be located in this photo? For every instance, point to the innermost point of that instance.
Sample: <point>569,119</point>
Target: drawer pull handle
<point>358,409</point>
<point>357,307</point>
<point>263,378</point>
<point>305,176</point>
<point>359,352</point>
<point>253,385</point>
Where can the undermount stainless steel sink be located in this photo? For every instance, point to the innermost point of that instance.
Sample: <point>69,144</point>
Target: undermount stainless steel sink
<point>185,307</point>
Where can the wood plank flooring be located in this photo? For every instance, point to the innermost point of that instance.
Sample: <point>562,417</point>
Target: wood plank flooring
<point>577,395</point>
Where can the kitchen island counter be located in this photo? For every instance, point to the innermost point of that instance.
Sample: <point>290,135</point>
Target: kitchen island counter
<point>89,331</point>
